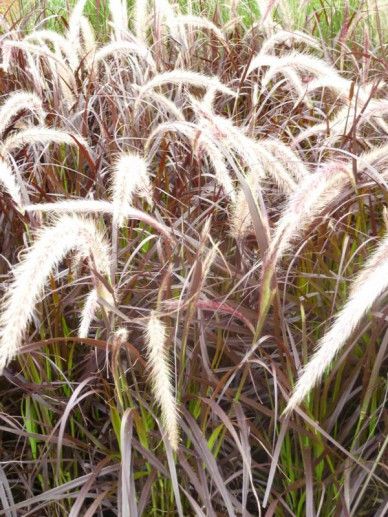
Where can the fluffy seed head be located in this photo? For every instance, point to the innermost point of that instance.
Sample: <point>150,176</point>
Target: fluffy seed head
<point>17,102</point>
<point>199,23</point>
<point>8,181</point>
<point>85,206</point>
<point>314,193</point>
<point>88,313</point>
<point>371,282</point>
<point>119,15</point>
<point>60,43</point>
<point>130,175</point>
<point>240,217</point>
<point>75,24</point>
<point>160,373</point>
<point>124,48</point>
<point>181,77</point>
<point>283,36</point>
<point>41,135</point>
<point>91,305</point>
<point>140,19</point>
<point>32,273</point>
<point>295,60</point>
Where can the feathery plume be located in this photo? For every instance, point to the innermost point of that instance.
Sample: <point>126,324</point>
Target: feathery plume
<point>130,175</point>
<point>286,37</point>
<point>217,159</point>
<point>296,60</point>
<point>244,146</point>
<point>314,193</point>
<point>287,157</point>
<point>17,102</point>
<point>180,77</point>
<point>41,135</point>
<point>120,336</point>
<point>266,8</point>
<point>75,25</point>
<point>119,15</point>
<point>91,305</point>
<point>166,12</point>
<point>199,23</point>
<point>240,216</point>
<point>55,60</point>
<point>60,43</point>
<point>140,20</point>
<point>162,105</point>
<point>276,169</point>
<point>31,274</point>
<point>125,48</point>
<point>39,50</point>
<point>368,112</point>
<point>88,39</point>
<point>84,206</point>
<point>88,313</point>
<point>247,149</point>
<point>160,374</point>
<point>370,283</point>
<point>80,206</point>
<point>341,87</point>
<point>376,157</point>
<point>8,180</point>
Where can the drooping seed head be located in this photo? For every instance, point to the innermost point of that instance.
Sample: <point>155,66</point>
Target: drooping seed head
<point>31,274</point>
<point>161,378</point>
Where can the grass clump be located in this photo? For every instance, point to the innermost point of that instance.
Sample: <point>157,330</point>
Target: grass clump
<point>198,194</point>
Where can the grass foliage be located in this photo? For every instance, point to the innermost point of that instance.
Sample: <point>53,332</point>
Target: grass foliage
<point>193,259</point>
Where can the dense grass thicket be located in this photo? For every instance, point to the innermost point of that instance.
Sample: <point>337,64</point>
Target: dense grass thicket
<point>193,258</point>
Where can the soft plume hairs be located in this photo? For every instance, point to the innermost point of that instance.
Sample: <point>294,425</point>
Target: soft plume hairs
<point>9,183</point>
<point>314,193</point>
<point>87,206</point>
<point>160,376</point>
<point>370,283</point>
<point>31,274</point>
<point>130,176</point>
<point>18,102</point>
<point>41,135</point>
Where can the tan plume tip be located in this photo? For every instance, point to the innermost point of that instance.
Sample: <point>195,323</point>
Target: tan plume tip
<point>370,283</point>
<point>130,175</point>
<point>296,60</point>
<point>287,157</point>
<point>88,38</point>
<point>29,48</point>
<point>240,216</point>
<point>160,374</point>
<point>31,274</point>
